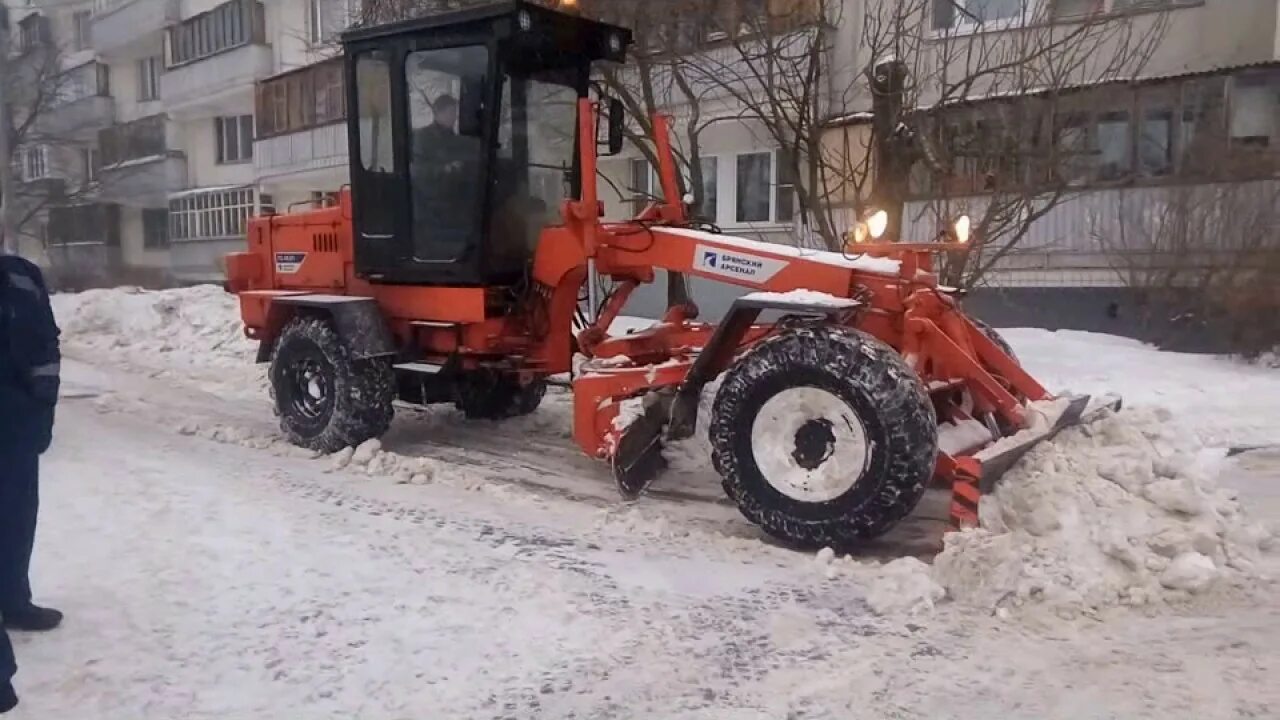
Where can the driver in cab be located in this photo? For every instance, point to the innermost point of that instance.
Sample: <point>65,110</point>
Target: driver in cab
<point>438,148</point>
<point>445,183</point>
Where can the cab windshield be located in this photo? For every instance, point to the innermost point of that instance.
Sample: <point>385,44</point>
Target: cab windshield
<point>536,154</point>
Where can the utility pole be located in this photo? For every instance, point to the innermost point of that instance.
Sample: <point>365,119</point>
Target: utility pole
<point>7,191</point>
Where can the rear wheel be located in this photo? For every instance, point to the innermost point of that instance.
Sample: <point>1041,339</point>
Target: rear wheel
<point>326,399</point>
<point>823,436</point>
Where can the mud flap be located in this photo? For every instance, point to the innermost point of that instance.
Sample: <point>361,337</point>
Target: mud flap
<point>638,460</point>
<point>1000,457</point>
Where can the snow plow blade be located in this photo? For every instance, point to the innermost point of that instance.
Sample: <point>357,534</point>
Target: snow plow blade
<point>638,460</point>
<point>999,458</point>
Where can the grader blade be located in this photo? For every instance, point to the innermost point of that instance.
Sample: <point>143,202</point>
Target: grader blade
<point>638,460</point>
<point>1000,457</point>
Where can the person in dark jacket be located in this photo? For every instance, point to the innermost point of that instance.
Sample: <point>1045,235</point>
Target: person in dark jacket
<point>29,382</point>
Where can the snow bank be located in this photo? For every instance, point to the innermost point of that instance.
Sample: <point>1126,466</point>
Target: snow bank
<point>1225,401</point>
<point>1125,511</point>
<point>197,326</point>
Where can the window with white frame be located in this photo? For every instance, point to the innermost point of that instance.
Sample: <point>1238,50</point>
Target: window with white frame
<point>709,209</point>
<point>754,185</point>
<point>1070,9</point>
<point>90,164</point>
<point>149,78</point>
<point>325,18</point>
<point>976,14</point>
<point>35,162</point>
<point>210,214</point>
<point>234,137</point>
<point>754,188</point>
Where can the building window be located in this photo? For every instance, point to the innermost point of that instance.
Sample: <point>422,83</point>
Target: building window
<point>35,163</point>
<point>1114,146</point>
<point>83,29</point>
<point>642,185</point>
<point>1253,111</point>
<point>302,99</point>
<point>90,164</point>
<point>1155,143</point>
<point>755,187</point>
<point>228,26</point>
<point>211,215</point>
<point>149,78</point>
<point>103,76</point>
<point>155,229</point>
<point>325,18</point>
<point>784,204</point>
<point>234,138</point>
<point>33,31</point>
<point>973,14</point>
<point>710,208</point>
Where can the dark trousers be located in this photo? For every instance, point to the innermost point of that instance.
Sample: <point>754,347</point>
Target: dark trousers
<point>8,666</point>
<point>19,503</point>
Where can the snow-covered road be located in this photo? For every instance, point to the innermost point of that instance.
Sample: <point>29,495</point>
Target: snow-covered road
<point>206,578</point>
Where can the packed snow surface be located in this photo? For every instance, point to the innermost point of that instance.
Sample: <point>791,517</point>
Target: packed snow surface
<point>466,569</point>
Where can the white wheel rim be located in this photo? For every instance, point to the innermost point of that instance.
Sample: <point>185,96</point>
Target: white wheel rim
<point>809,444</point>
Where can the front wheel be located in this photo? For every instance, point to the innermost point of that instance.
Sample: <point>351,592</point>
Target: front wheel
<point>823,436</point>
<point>326,399</point>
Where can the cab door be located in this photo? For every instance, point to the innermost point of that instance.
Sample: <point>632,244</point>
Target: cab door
<point>378,187</point>
<point>419,136</point>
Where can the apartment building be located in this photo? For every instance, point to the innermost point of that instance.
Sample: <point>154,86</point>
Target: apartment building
<point>183,117</point>
<point>154,127</point>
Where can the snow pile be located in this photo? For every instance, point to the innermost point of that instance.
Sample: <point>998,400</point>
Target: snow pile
<point>197,326</point>
<point>802,297</point>
<point>904,586</point>
<point>1122,511</point>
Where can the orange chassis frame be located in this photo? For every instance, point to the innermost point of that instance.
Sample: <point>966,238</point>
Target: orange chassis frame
<point>468,327</point>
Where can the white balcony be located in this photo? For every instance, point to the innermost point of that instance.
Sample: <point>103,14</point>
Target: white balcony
<point>316,157</point>
<point>120,24</point>
<point>201,87</point>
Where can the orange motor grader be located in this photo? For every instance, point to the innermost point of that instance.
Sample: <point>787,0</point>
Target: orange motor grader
<point>452,270</point>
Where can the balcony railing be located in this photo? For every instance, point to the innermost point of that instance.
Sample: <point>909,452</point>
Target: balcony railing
<point>300,122</point>
<point>117,24</point>
<point>228,26</point>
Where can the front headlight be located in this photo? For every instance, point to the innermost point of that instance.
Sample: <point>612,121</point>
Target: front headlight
<point>872,226</point>
<point>877,224</point>
<point>963,227</point>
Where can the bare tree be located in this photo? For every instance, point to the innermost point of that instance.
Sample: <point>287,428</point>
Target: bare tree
<point>1202,261</point>
<point>972,119</point>
<point>993,123</point>
<point>47,144</point>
